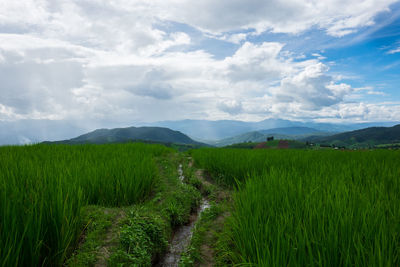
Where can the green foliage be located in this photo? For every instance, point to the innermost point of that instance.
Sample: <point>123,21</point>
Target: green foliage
<point>385,146</point>
<point>364,138</point>
<point>246,145</point>
<point>297,145</point>
<point>142,238</point>
<point>196,182</point>
<point>96,221</point>
<point>44,187</point>
<point>309,208</point>
<point>180,204</point>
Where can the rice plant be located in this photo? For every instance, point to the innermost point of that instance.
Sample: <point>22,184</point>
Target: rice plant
<point>310,208</point>
<point>44,187</point>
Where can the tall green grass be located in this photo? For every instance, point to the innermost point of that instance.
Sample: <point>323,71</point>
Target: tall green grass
<point>44,187</point>
<point>310,208</point>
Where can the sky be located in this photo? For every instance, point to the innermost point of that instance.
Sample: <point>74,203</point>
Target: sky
<point>124,62</point>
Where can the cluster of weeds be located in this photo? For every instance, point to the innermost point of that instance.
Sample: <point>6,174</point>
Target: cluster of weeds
<point>144,235</point>
<point>180,204</point>
<point>195,182</point>
<point>142,238</point>
<point>192,179</point>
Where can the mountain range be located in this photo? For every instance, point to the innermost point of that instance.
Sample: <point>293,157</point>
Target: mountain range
<point>35,131</point>
<point>292,133</point>
<point>205,130</point>
<point>365,137</point>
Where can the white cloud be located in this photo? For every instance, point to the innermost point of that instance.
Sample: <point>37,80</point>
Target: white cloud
<point>32,87</point>
<point>337,17</point>
<point>232,38</point>
<point>128,25</point>
<point>376,93</point>
<point>364,111</point>
<point>394,51</point>
<point>310,88</point>
<point>257,80</point>
<point>257,62</point>
<point>118,61</point>
<point>232,107</point>
<point>23,14</point>
<point>112,26</point>
<point>319,56</point>
<point>369,90</point>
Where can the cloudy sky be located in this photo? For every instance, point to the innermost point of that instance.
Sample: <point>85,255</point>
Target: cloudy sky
<point>126,61</point>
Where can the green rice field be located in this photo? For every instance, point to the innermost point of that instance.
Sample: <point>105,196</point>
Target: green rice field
<point>272,207</point>
<point>309,208</point>
<point>44,187</point>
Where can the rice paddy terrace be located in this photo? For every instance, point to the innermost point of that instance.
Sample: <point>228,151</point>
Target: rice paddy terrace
<point>126,205</point>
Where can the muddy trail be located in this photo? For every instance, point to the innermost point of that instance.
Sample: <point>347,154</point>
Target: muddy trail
<point>182,236</point>
<point>110,240</point>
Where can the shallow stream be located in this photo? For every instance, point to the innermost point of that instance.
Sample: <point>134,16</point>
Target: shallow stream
<point>182,236</point>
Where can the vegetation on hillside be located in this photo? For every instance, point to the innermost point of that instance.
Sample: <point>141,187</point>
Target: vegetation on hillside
<point>273,144</point>
<point>364,138</point>
<point>123,135</point>
<point>288,133</point>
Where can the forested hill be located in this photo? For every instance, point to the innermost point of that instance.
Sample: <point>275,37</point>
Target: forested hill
<point>120,135</point>
<point>367,136</point>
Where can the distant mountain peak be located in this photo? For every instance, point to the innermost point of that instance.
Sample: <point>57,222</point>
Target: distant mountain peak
<point>120,135</point>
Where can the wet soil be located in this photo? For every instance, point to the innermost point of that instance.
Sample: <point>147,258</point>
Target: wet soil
<point>182,236</point>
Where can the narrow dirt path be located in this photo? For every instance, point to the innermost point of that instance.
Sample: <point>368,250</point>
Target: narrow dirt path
<point>110,240</point>
<point>208,247</point>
